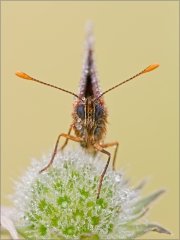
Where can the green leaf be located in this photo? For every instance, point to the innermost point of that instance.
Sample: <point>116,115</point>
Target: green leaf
<point>137,216</point>
<point>23,231</point>
<point>89,237</point>
<point>146,201</point>
<point>141,185</point>
<point>133,231</point>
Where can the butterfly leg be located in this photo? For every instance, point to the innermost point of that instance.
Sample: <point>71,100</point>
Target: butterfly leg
<point>116,144</point>
<point>62,148</point>
<point>76,139</point>
<point>100,148</point>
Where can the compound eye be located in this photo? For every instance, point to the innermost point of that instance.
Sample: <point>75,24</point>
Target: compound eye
<point>80,111</point>
<point>98,111</point>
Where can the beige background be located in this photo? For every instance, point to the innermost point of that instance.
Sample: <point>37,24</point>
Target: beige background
<point>45,40</point>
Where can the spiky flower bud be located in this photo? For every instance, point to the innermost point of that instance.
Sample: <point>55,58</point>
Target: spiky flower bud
<point>61,203</point>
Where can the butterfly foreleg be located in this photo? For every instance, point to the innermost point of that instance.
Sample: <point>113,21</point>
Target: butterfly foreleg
<point>116,145</point>
<point>76,139</point>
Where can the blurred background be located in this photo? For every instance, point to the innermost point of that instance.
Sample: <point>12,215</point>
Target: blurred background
<point>45,40</point>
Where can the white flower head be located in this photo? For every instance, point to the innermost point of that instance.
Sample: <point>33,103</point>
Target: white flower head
<point>61,203</point>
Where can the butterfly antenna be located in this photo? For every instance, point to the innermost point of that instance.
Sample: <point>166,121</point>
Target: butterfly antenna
<point>27,77</point>
<point>148,69</point>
